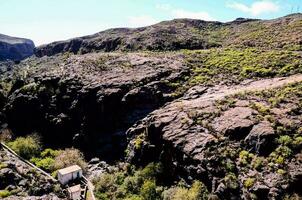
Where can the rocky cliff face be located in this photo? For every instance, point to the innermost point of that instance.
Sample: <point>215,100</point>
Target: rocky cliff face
<point>91,96</point>
<point>12,48</point>
<point>229,116</point>
<point>229,137</point>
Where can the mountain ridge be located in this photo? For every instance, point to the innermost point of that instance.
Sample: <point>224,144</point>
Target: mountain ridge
<point>14,48</point>
<point>184,34</point>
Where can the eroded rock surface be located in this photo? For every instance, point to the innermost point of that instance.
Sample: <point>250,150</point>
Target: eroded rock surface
<point>217,137</point>
<point>88,101</point>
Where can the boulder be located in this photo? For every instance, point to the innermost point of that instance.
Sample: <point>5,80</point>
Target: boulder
<point>236,122</point>
<point>261,138</point>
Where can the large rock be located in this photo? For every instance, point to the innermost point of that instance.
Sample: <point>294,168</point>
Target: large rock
<point>16,49</point>
<point>261,138</point>
<point>236,122</point>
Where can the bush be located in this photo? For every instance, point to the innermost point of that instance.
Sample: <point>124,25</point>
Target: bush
<point>70,157</point>
<point>297,142</point>
<point>46,160</point>
<point>4,193</point>
<point>142,184</point>
<point>285,140</point>
<point>197,192</point>
<point>245,157</point>
<point>249,182</point>
<point>231,181</point>
<point>50,153</point>
<point>46,164</point>
<point>257,163</point>
<point>105,184</point>
<point>152,171</point>
<point>26,147</point>
<point>148,190</point>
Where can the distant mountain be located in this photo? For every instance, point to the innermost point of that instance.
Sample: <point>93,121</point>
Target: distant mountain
<point>284,32</point>
<point>16,49</point>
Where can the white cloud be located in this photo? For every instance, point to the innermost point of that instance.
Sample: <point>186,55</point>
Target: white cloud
<point>179,13</point>
<point>143,20</point>
<point>164,7</point>
<point>257,8</point>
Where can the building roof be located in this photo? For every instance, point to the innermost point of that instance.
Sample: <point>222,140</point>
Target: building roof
<point>70,169</point>
<point>75,188</point>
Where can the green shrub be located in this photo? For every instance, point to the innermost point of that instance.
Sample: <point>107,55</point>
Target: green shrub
<point>245,157</point>
<point>26,147</point>
<point>249,182</point>
<point>281,171</point>
<point>132,183</point>
<point>257,163</point>
<point>46,164</point>
<point>50,153</point>
<point>4,193</point>
<point>231,181</point>
<point>3,165</point>
<point>139,141</point>
<point>297,142</point>
<point>46,160</point>
<point>148,190</point>
<point>105,183</point>
<point>152,171</point>
<point>207,66</point>
<point>262,109</point>
<point>285,140</point>
<point>143,184</point>
<point>197,192</point>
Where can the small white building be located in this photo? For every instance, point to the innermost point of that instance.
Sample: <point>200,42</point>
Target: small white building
<point>74,192</point>
<point>69,173</point>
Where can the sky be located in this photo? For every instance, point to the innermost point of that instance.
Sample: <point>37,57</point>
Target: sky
<point>45,21</point>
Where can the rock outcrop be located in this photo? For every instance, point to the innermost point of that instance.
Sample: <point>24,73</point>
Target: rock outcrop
<point>23,182</point>
<point>92,99</point>
<point>217,137</point>
<point>16,49</point>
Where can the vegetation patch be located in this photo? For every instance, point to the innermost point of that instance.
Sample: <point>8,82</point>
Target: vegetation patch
<point>146,183</point>
<point>232,65</point>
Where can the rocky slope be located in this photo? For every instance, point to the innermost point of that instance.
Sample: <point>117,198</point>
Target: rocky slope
<point>12,48</point>
<point>228,116</point>
<point>22,182</point>
<point>187,34</point>
<point>96,96</point>
<point>229,136</point>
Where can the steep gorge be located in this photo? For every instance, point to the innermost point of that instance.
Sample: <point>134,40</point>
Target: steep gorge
<point>215,102</point>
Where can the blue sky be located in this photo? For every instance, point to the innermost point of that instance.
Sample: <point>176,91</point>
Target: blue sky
<point>46,21</point>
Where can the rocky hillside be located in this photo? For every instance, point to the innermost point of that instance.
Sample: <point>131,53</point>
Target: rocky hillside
<point>20,180</point>
<point>188,34</point>
<point>218,117</point>
<point>16,49</point>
